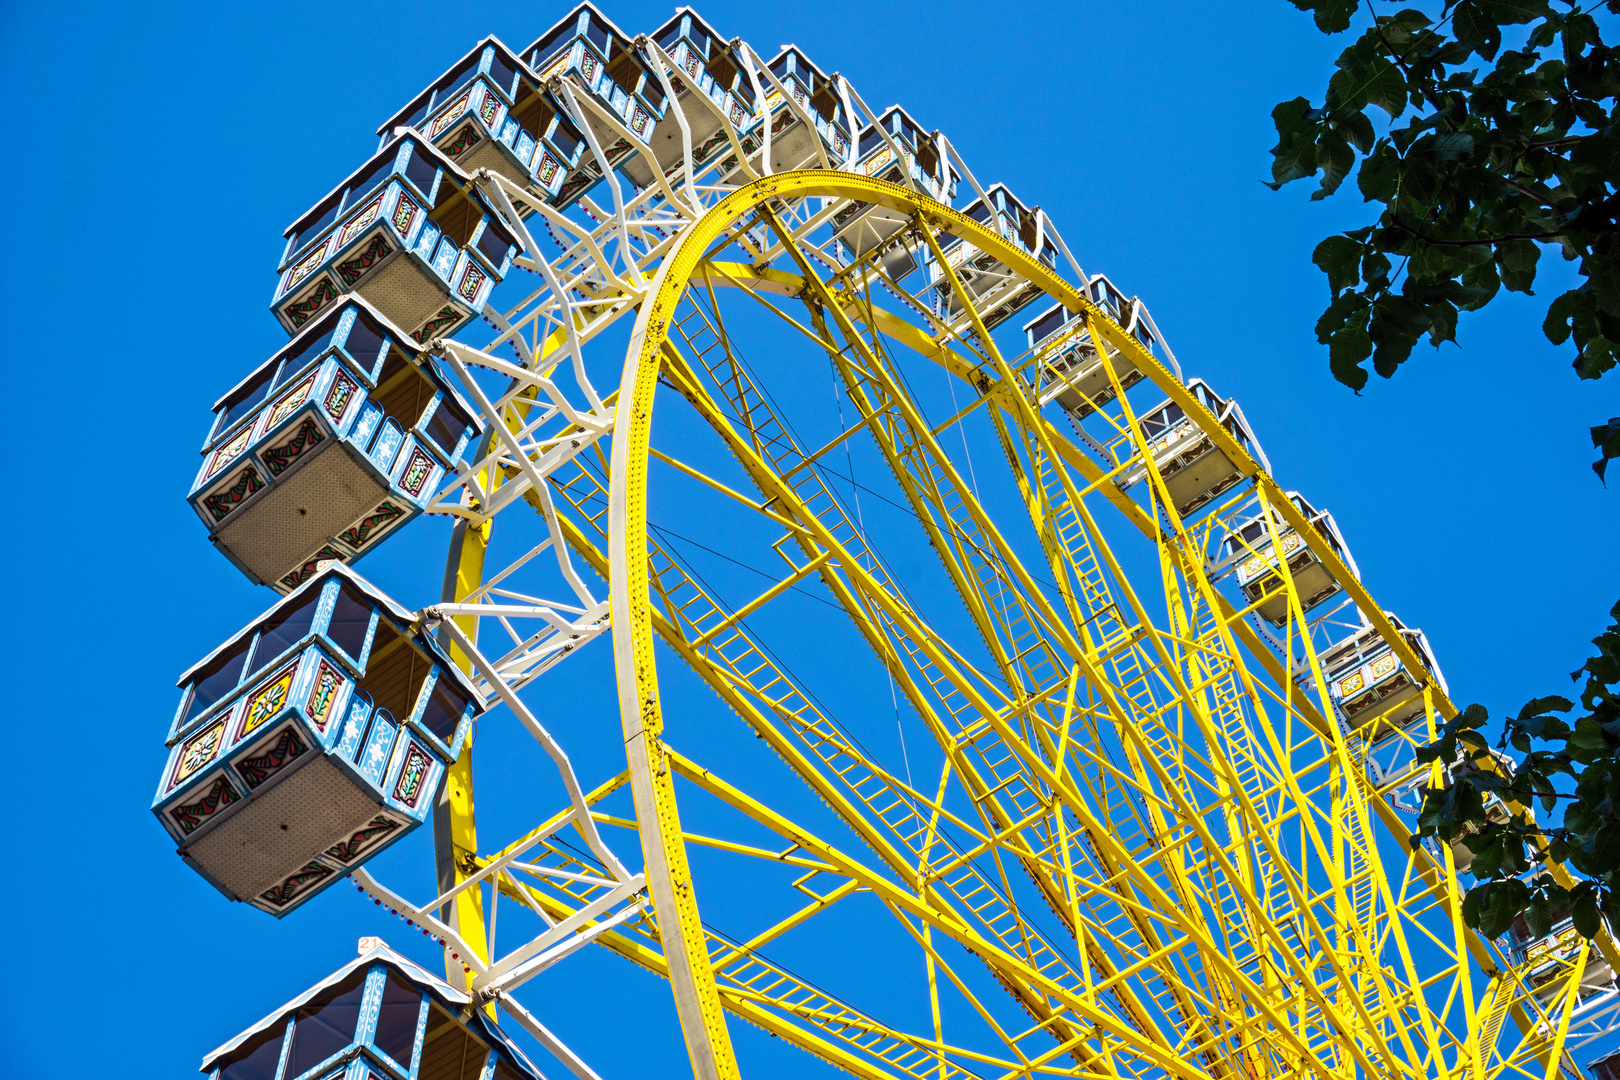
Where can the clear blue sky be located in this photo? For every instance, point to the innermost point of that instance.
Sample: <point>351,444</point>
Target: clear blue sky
<point>159,151</point>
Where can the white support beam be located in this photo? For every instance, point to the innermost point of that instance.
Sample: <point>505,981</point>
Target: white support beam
<point>542,1035</point>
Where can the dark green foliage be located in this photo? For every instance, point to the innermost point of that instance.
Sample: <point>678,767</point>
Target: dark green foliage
<point>1606,438</point>
<point>1569,763</point>
<point>1488,155</point>
<point>1487,158</point>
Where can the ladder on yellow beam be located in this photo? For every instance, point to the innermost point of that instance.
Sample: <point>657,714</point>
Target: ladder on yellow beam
<point>736,652</point>
<point>1015,634</point>
<point>760,979</point>
<point>773,443</point>
<point>1103,619</point>
<point>1255,775</point>
<point>1005,766</point>
<point>759,422</point>
<point>1109,633</point>
<point>1488,1025</point>
<point>751,978</point>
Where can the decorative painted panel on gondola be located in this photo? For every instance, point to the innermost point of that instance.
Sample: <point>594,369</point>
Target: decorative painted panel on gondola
<point>1547,958</point>
<point>379,1016</point>
<point>997,293</point>
<point>861,226</point>
<point>409,232</point>
<point>793,145</point>
<point>1071,370</point>
<point>707,60</point>
<point>490,111</point>
<point>1194,467</point>
<point>711,88</point>
<point>1258,560</point>
<point>333,443</point>
<point>1371,687</point>
<point>922,159</point>
<point>310,741</point>
<point>600,60</point>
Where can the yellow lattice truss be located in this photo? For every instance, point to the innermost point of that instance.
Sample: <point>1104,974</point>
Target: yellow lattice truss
<point>1137,846</point>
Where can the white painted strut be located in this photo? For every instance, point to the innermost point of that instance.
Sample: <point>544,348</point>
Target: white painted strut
<point>627,254</point>
<point>576,794</point>
<point>542,1035</point>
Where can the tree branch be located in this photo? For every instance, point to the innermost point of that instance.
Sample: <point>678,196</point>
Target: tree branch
<point>1488,241</point>
<point>1542,200</point>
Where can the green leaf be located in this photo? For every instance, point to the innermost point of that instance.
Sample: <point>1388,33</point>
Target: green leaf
<point>1481,283</point>
<point>1431,265</point>
<point>1403,27</point>
<point>1396,324</point>
<point>1294,156</point>
<point>1518,259</point>
<point>1500,902</point>
<point>1606,438</point>
<point>1339,258</point>
<point>1538,916</point>
<point>1537,706</point>
<point>1442,322</point>
<point>1336,159</point>
<point>1348,308</point>
<point>1585,915</point>
<point>1466,151</point>
<point>1588,735</point>
<point>1388,90</point>
<point>1490,854</point>
<point>1347,349</point>
<point>1438,809</point>
<point>1511,12</point>
<point>1380,174</point>
<point>1375,267</point>
<point>1357,129</point>
<point>1471,905</point>
<point>1546,728</point>
<point>1597,356</point>
<point>1332,16</point>
<point>1420,187</point>
<point>1367,76</point>
<point>1475,31</point>
<point>1449,146</point>
<point>1560,316</point>
<point>1606,290</point>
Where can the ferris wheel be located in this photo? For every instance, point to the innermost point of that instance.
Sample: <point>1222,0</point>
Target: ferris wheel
<point>1072,732</point>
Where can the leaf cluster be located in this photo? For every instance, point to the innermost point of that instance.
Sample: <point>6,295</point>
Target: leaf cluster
<point>1568,763</point>
<point>1488,155</point>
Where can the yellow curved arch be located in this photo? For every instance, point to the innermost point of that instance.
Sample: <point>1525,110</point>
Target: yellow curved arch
<point>669,880</point>
<point>651,775</point>
<point>652,784</point>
